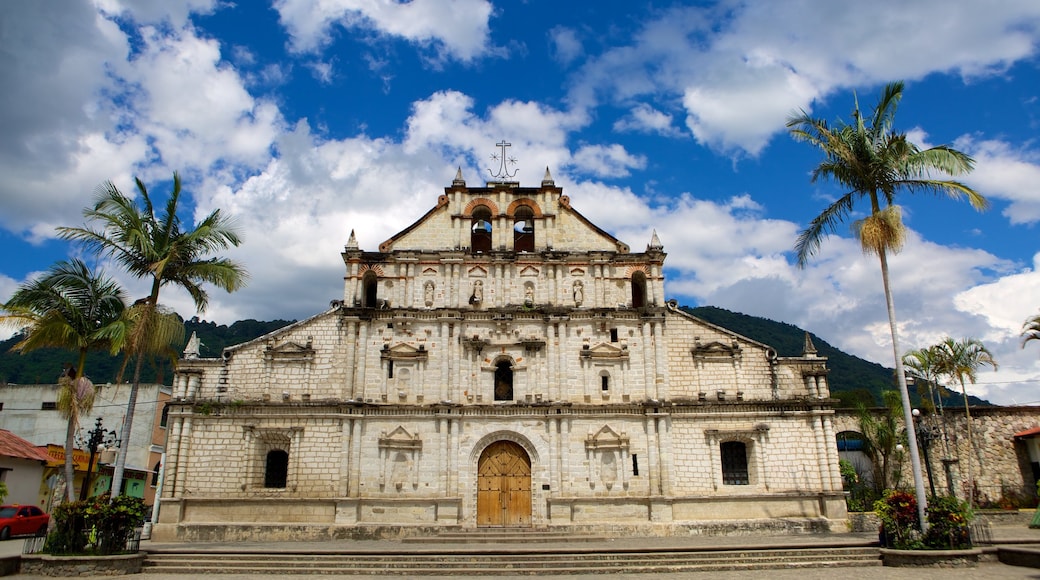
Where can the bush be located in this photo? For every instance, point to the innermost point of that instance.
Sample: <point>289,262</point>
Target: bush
<point>96,526</point>
<point>67,534</point>
<point>899,526</point>
<point>948,519</point>
<point>113,522</point>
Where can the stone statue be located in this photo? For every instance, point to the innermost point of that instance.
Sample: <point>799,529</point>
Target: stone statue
<point>192,350</point>
<point>528,294</point>
<point>428,293</point>
<point>478,293</point>
<point>579,292</point>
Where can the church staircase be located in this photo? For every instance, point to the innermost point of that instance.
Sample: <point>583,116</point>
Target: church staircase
<point>508,552</point>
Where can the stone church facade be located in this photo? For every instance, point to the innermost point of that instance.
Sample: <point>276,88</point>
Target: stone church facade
<point>502,362</point>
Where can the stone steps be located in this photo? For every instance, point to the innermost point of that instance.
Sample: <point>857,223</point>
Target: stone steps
<point>504,536</point>
<point>492,562</point>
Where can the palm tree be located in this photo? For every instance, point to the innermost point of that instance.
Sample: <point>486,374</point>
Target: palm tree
<point>960,360</point>
<point>157,247</point>
<point>924,364</point>
<point>70,307</point>
<point>874,163</point>
<point>1031,329</point>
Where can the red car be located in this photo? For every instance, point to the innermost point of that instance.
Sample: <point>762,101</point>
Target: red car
<point>18,520</point>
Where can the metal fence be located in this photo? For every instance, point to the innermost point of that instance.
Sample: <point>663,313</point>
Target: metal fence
<point>34,545</point>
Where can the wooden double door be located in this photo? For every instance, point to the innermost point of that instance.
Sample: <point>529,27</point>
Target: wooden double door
<point>504,486</point>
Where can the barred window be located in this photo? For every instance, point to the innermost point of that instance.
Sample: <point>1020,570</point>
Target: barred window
<point>276,470</point>
<point>734,463</point>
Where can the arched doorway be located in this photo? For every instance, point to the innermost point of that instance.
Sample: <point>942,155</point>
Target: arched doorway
<point>504,486</point>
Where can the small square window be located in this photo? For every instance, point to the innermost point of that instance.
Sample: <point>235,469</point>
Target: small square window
<point>49,406</point>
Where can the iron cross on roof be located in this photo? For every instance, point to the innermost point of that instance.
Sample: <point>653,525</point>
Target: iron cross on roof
<point>504,162</point>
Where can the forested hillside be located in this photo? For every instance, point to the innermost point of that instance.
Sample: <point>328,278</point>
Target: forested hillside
<point>851,378</point>
<point>45,365</point>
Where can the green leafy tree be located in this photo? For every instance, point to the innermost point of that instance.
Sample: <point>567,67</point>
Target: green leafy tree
<point>73,308</point>
<point>874,163</point>
<point>961,360</point>
<point>882,435</point>
<point>159,247</point>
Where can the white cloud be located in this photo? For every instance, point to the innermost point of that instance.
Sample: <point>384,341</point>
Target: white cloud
<point>78,112</point>
<point>739,81</point>
<point>565,45</point>
<point>606,161</point>
<point>1002,172</point>
<point>456,28</point>
<point>644,118</point>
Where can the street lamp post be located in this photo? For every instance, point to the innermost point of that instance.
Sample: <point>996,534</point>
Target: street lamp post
<point>96,437</point>
<point>925,436</point>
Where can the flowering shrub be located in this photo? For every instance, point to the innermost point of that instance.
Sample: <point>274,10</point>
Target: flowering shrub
<point>899,526</point>
<point>95,526</point>
<point>948,520</point>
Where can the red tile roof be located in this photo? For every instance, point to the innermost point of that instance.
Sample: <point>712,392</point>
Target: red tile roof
<point>1028,432</point>
<point>12,445</point>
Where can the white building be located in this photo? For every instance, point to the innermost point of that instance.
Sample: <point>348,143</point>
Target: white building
<point>30,411</point>
<point>500,362</point>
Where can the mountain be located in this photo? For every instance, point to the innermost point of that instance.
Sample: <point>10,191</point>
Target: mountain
<point>851,378</point>
<point>44,365</point>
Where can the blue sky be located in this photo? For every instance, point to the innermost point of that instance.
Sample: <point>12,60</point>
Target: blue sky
<point>306,120</point>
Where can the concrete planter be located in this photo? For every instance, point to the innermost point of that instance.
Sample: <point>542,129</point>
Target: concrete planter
<point>932,558</point>
<point>72,566</point>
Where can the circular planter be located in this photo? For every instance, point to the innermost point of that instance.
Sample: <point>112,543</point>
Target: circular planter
<point>70,566</point>
<point>931,558</point>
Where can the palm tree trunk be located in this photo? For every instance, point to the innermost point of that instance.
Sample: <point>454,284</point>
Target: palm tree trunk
<point>70,471</point>
<point>904,395</point>
<point>131,403</point>
<point>971,447</point>
<point>124,432</point>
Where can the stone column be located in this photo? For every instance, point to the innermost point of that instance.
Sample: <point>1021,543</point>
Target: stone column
<point>346,428</point>
<point>360,388</point>
<point>649,388</point>
<point>172,465</point>
<point>832,453</point>
<point>821,453</point>
<point>183,446</point>
<point>660,369</point>
<point>350,343</point>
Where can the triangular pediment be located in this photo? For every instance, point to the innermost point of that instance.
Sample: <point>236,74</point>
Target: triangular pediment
<point>289,351</point>
<point>529,271</point>
<point>605,350</point>
<point>607,438</point>
<point>403,351</point>
<point>400,438</point>
<point>715,350</point>
<point>430,271</point>
<point>477,272</point>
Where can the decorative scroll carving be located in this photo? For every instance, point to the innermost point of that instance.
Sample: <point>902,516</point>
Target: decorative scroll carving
<point>290,352</point>
<point>605,351</point>
<point>716,351</point>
